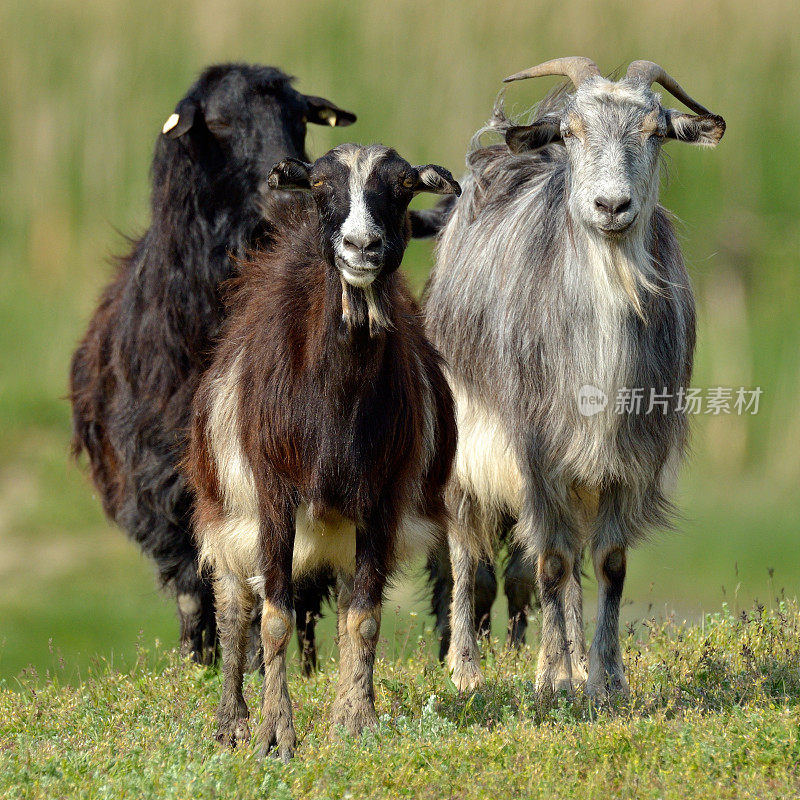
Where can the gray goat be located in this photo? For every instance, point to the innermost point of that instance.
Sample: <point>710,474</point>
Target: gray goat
<point>559,277</point>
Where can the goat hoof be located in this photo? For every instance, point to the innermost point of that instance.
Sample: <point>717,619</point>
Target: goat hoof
<point>608,689</point>
<point>234,733</point>
<point>607,684</point>
<point>354,717</point>
<point>551,683</point>
<point>282,751</point>
<point>198,651</point>
<point>284,754</point>
<point>579,673</point>
<point>562,686</point>
<point>467,676</point>
<point>276,737</point>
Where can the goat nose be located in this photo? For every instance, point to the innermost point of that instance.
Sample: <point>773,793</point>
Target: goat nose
<point>613,205</point>
<point>362,242</point>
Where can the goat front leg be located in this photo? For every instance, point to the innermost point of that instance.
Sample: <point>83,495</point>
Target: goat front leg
<point>606,672</point>
<point>575,634</point>
<point>354,706</point>
<point>554,669</point>
<point>277,623</point>
<point>234,602</point>
<point>463,657</point>
<point>546,531</point>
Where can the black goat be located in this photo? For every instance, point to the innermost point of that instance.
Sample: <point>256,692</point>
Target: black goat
<point>134,374</point>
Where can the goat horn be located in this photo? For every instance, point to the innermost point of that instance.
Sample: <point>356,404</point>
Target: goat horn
<point>648,72</point>
<point>576,68</point>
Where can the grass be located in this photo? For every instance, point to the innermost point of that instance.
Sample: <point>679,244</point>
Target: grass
<point>714,712</point>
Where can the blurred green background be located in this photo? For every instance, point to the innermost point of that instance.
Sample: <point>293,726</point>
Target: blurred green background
<point>84,89</point>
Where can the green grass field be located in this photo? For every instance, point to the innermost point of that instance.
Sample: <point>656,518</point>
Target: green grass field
<point>714,713</point>
<point>85,88</point>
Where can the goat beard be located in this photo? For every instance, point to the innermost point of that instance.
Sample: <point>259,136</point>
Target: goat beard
<point>365,307</point>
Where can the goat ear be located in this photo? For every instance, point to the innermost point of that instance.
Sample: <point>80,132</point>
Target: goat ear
<point>181,120</point>
<point>323,112</point>
<point>290,174</point>
<point>436,179</point>
<point>524,138</point>
<point>705,129</point>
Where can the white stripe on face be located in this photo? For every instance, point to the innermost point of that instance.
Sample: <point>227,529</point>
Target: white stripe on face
<point>359,224</point>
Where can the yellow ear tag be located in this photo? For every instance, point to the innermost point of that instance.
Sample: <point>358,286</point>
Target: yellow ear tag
<point>171,122</point>
<point>332,120</point>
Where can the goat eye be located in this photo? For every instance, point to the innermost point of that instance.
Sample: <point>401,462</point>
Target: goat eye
<point>566,133</point>
<point>408,181</point>
<point>317,182</point>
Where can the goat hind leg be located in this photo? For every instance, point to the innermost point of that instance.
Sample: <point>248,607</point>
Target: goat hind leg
<point>171,546</point>
<point>520,586</point>
<point>440,579</point>
<point>485,595</point>
<point>160,522</point>
<point>196,615</point>
<point>310,593</point>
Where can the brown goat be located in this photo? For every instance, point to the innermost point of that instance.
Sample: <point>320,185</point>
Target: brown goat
<point>323,433</point>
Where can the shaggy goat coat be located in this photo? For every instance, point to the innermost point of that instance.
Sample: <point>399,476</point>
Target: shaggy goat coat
<point>529,307</point>
<point>323,436</point>
<point>295,412</point>
<point>135,371</point>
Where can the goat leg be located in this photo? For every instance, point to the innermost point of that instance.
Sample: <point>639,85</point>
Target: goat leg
<point>463,657</point>
<point>234,607</point>
<point>354,706</point>
<point>606,672</point>
<point>309,595</point>
<point>277,623</point>
<point>485,595</point>
<point>520,585</point>
<point>554,669</point>
<point>440,579</point>
<point>344,596</point>
<point>576,637</point>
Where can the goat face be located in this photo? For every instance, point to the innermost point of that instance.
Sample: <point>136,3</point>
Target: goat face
<point>362,196</point>
<point>613,132</point>
<point>247,117</point>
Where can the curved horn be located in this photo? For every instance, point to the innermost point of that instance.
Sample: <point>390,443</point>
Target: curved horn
<point>649,72</point>
<point>576,68</point>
